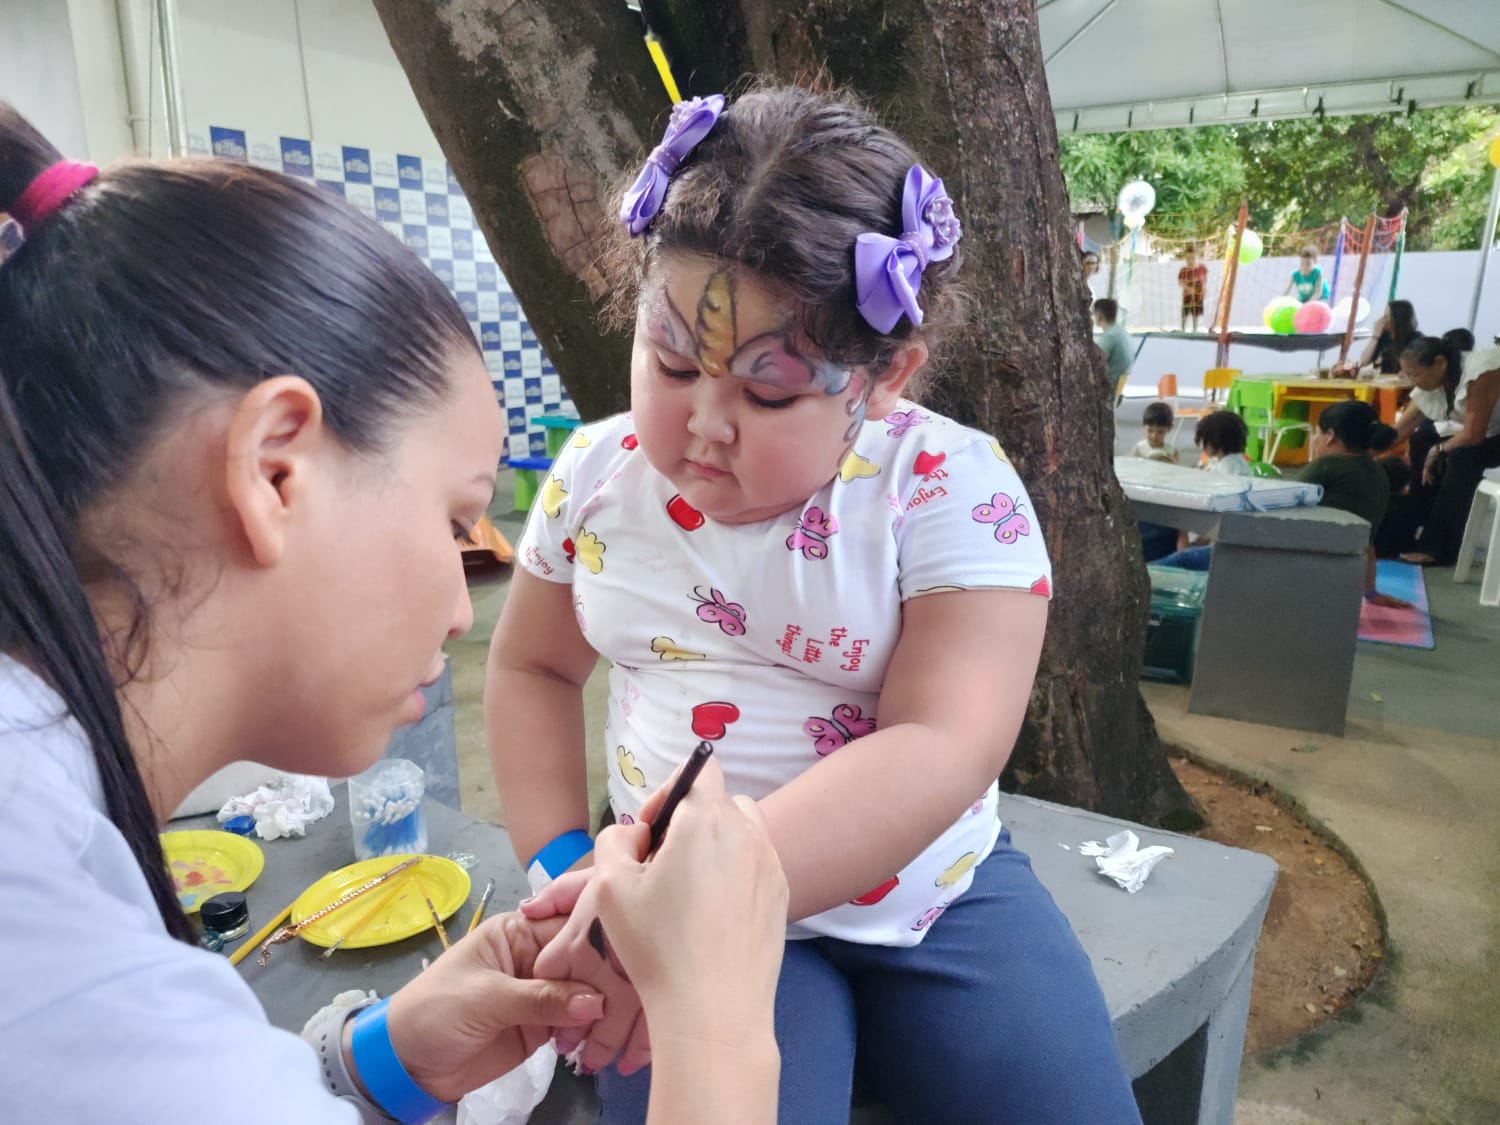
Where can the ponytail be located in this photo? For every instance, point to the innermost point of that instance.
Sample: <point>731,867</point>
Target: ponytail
<point>1357,426</point>
<point>1424,352</point>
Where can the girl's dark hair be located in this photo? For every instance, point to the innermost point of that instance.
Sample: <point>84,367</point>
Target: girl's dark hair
<point>1157,414</point>
<point>1223,430</point>
<point>784,183</point>
<point>1403,325</point>
<point>1460,338</point>
<point>1358,426</point>
<point>154,284</point>
<point>1424,351</point>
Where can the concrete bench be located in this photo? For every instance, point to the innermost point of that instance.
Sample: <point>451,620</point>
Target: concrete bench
<point>1174,960</point>
<point>1281,617</point>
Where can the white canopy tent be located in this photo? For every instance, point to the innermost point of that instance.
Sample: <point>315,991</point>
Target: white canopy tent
<point>1114,65</point>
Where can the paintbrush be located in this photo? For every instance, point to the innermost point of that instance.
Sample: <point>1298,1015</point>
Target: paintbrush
<point>287,933</point>
<point>364,919</point>
<point>437,923</point>
<point>489,889</point>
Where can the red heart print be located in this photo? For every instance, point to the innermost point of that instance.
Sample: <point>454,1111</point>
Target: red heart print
<point>1042,586</point>
<point>871,897</point>
<point>928,462</point>
<point>684,515</point>
<point>711,720</point>
<point>629,441</point>
<point>569,549</point>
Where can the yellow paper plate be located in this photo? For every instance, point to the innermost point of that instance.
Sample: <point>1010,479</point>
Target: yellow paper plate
<point>401,917</point>
<point>205,863</point>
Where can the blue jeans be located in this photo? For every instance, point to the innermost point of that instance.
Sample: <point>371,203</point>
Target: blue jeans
<point>1191,558</point>
<point>996,1017</point>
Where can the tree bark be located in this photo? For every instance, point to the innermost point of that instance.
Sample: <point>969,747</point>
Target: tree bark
<point>964,82</point>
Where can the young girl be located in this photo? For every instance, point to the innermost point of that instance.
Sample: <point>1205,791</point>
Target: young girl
<point>1453,420</point>
<point>217,388</point>
<point>843,592</point>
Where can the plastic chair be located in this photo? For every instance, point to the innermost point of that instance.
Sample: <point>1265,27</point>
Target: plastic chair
<point>1257,398</point>
<point>1486,503</point>
<point>1166,389</point>
<point>1217,379</point>
<point>1263,469</point>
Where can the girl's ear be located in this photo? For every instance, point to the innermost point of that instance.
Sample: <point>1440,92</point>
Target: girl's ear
<point>270,460</point>
<point>891,382</point>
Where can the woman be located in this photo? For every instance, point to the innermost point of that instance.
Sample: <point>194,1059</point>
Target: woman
<point>219,388</point>
<point>1460,398</point>
<point>1394,332</point>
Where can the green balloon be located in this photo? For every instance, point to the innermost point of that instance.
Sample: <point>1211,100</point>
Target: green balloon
<point>1283,320</point>
<point>1250,247</point>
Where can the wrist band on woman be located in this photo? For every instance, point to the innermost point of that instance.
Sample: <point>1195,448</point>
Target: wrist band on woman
<point>561,854</point>
<point>381,1071</point>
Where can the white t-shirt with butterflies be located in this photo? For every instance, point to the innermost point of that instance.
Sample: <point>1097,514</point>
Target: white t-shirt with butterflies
<point>771,639</point>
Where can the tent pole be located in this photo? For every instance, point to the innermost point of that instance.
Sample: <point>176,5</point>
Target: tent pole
<point>1226,284</point>
<point>1359,283</point>
<point>1486,244</point>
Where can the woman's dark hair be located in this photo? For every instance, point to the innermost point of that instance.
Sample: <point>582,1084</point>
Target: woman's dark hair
<point>1223,431</point>
<point>783,184</point>
<point>1460,338</point>
<point>1157,414</point>
<point>1403,325</point>
<point>1424,351</point>
<point>154,284</point>
<point>1358,426</point>
<point>1108,308</point>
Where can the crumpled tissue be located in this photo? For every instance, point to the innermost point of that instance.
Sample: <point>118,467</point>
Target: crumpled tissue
<point>510,1099</point>
<point>284,807</point>
<point>1122,858</point>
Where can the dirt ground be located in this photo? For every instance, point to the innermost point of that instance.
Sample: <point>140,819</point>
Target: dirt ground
<point>1322,941</point>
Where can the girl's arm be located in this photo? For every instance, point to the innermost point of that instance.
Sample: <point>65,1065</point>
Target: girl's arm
<point>955,693</point>
<point>533,712</point>
<point>1483,392</point>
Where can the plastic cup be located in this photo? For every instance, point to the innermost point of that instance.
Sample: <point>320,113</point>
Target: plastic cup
<point>385,810</point>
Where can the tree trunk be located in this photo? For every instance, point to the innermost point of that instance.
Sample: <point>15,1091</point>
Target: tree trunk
<point>964,82</point>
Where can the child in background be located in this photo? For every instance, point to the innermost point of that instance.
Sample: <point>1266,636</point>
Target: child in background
<point>1114,342</point>
<point>1192,279</point>
<point>1222,437</point>
<point>1307,283</point>
<point>1157,422</point>
<point>782,556</point>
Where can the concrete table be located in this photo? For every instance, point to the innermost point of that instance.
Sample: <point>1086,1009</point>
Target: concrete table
<point>1281,617</point>
<point>1174,960</point>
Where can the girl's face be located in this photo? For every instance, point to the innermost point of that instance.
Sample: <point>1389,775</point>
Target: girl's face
<point>741,416</point>
<point>1308,262</point>
<point>1428,376</point>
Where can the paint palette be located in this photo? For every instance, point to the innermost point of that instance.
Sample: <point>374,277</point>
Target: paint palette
<point>400,917</point>
<point>205,863</point>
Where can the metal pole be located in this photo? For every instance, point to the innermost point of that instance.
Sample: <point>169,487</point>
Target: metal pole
<point>171,76</point>
<point>1486,243</point>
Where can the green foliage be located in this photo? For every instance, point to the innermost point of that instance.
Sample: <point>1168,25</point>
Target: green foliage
<point>1302,174</point>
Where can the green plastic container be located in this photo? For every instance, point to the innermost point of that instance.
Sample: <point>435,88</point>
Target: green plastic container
<point>1172,628</point>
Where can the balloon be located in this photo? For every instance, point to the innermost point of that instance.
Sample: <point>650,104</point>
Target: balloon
<point>1136,198</point>
<point>1250,247</point>
<point>1341,311</point>
<point>1277,305</point>
<point>1315,316</point>
<point>1284,321</point>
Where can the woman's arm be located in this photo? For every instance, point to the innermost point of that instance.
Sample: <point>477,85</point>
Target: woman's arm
<point>533,712</point>
<point>1483,391</point>
<point>1406,425</point>
<point>955,693</point>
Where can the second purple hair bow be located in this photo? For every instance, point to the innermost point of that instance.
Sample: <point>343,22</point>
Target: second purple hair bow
<point>691,121</point>
<point>888,271</point>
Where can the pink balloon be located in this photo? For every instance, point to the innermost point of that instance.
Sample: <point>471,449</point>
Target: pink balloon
<point>1315,316</point>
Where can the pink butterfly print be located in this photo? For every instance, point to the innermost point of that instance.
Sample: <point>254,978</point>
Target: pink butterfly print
<point>1001,511</point>
<point>846,724</point>
<point>902,420</point>
<point>771,359</point>
<point>716,610</point>
<point>811,536</point>
<point>930,917</point>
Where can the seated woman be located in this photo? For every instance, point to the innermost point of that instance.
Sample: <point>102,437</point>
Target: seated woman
<point>1394,332</point>
<point>1462,401</point>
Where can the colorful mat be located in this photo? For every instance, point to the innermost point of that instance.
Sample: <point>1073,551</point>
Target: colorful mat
<point>1409,628</point>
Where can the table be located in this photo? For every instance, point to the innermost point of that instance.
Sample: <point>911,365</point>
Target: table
<point>558,427</point>
<point>1304,397</point>
<point>1174,961</point>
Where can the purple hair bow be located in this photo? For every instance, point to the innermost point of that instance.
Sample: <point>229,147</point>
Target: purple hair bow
<point>691,121</point>
<point>888,271</point>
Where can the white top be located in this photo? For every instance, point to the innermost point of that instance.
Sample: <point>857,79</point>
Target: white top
<point>1434,404</point>
<point>1230,465</point>
<point>771,639</point>
<point>105,1017</point>
<point>1148,452</point>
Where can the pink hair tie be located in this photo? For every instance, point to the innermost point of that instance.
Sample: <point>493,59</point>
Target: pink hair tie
<point>50,190</point>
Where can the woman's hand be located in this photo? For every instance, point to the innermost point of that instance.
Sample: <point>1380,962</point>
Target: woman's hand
<point>1430,466</point>
<point>472,1016</point>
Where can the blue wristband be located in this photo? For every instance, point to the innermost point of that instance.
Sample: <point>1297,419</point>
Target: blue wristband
<point>561,854</point>
<point>381,1072</point>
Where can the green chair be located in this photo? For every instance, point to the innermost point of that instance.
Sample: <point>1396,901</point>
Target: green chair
<point>1264,469</point>
<point>1257,400</point>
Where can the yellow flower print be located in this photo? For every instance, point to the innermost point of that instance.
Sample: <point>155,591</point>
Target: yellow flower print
<point>589,550</point>
<point>668,649</point>
<point>553,494</point>
<point>960,868</point>
<point>628,769</point>
<point>856,466</point>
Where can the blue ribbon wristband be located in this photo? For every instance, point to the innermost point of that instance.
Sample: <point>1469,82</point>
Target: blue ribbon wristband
<point>381,1072</point>
<point>561,854</point>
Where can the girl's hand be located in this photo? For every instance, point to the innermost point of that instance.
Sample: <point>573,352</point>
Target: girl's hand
<point>472,1016</point>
